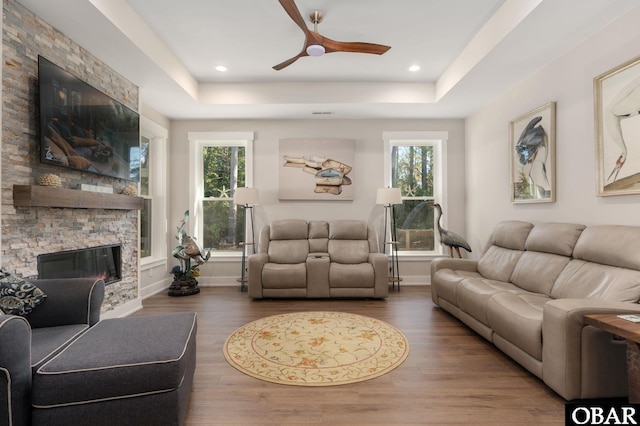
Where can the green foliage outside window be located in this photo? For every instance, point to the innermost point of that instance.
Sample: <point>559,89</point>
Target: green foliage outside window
<point>146,234</point>
<point>223,172</point>
<point>412,172</point>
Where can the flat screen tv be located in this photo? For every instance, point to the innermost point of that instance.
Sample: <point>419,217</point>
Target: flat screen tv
<point>85,129</point>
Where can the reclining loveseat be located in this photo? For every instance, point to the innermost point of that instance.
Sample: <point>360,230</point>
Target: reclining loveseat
<point>318,259</point>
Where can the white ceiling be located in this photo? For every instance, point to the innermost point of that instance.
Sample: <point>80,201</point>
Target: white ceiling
<point>469,52</point>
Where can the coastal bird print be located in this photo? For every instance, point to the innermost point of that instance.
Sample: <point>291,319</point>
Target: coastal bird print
<point>624,105</point>
<point>449,238</point>
<point>532,152</point>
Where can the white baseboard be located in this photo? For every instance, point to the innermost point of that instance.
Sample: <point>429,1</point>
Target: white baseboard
<point>218,281</point>
<point>155,288</point>
<point>124,310</point>
<point>228,281</point>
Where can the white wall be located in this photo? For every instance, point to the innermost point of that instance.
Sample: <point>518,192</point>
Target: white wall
<point>569,82</point>
<point>367,176</point>
<point>154,276</point>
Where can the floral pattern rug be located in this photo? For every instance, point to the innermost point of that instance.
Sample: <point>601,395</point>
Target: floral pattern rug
<point>316,348</point>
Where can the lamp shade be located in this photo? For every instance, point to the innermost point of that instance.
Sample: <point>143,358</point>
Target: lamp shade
<point>389,196</point>
<point>246,196</point>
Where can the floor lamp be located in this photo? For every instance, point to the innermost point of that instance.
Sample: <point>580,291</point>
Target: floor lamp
<point>247,198</point>
<point>388,197</point>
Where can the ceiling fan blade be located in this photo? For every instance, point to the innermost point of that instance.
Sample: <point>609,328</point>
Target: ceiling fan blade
<point>314,38</point>
<point>354,47</point>
<point>290,61</point>
<point>293,11</point>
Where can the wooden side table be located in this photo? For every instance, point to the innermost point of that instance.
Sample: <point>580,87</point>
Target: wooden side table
<point>631,332</point>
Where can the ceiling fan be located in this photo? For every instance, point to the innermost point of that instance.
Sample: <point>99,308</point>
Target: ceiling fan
<point>316,44</point>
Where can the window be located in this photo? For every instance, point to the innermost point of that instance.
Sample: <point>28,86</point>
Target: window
<point>153,216</point>
<point>414,164</point>
<point>223,171</point>
<point>146,215</point>
<point>222,162</point>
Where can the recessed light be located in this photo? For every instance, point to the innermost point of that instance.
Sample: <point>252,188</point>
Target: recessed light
<point>414,68</point>
<point>222,68</point>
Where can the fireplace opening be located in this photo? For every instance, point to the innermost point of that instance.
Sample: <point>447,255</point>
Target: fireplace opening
<point>103,262</point>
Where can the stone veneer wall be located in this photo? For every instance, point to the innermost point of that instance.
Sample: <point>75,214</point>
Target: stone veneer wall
<point>29,231</point>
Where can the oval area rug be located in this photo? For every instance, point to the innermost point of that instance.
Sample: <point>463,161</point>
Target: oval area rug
<point>316,348</point>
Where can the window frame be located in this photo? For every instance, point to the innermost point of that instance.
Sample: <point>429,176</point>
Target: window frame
<point>157,136</point>
<point>437,139</point>
<point>198,141</point>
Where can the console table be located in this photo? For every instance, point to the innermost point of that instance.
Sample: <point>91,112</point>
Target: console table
<point>631,332</point>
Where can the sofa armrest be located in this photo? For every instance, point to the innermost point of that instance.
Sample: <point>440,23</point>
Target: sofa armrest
<point>453,264</point>
<point>563,333</point>
<point>69,301</point>
<point>441,263</point>
<point>380,264</point>
<point>318,265</point>
<point>256,263</point>
<point>15,370</point>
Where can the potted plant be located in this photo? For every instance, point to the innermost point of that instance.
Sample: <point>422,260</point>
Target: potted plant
<point>190,255</point>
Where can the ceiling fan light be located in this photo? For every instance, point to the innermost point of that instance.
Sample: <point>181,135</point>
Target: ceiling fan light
<point>315,50</point>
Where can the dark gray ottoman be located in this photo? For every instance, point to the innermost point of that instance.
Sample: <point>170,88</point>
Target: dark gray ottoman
<point>125,371</point>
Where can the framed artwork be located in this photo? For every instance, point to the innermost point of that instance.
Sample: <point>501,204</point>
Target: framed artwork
<point>532,140</point>
<point>316,169</point>
<point>617,129</point>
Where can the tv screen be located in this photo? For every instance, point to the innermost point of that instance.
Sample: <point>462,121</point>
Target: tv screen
<point>83,128</point>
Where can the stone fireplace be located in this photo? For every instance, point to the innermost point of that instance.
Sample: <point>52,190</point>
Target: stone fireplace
<point>103,262</point>
<point>28,232</point>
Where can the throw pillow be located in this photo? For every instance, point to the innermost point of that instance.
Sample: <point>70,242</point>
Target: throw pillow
<point>18,296</point>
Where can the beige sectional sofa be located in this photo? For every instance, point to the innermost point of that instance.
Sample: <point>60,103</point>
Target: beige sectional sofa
<point>530,290</point>
<point>318,259</point>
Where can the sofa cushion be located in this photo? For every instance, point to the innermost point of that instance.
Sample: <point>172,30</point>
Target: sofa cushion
<point>289,229</point>
<point>498,263</point>
<point>588,280</point>
<point>536,272</point>
<point>318,236</point>
<point>556,238</point>
<point>518,319</point>
<point>318,229</point>
<point>349,251</point>
<point>473,294</point>
<point>288,251</point>
<point>507,243</point>
<point>48,341</point>
<point>119,358</point>
<point>348,230</point>
<point>446,282</point>
<point>351,276</point>
<point>613,245</point>
<point>511,234</point>
<point>276,275</point>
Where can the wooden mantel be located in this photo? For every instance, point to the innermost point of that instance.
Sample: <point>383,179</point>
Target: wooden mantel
<point>49,196</point>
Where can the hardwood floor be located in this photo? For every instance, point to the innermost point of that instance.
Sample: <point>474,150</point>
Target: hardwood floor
<point>452,376</point>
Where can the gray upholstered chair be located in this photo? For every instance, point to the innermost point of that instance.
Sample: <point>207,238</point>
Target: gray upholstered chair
<point>71,308</point>
<point>62,365</point>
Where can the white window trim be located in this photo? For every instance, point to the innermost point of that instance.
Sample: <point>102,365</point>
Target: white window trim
<point>157,136</point>
<point>197,141</point>
<point>439,140</point>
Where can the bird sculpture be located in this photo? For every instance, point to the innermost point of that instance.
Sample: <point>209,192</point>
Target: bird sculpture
<point>449,238</point>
